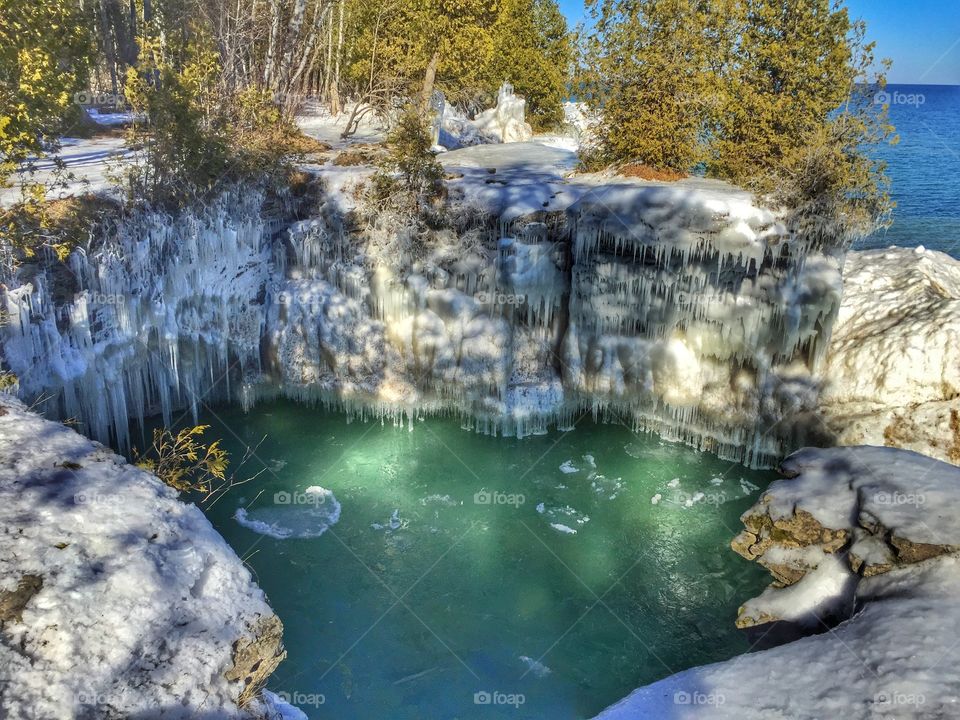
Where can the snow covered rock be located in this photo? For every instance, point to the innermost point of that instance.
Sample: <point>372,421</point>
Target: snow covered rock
<point>892,373</point>
<point>866,530</point>
<point>843,513</point>
<point>117,600</point>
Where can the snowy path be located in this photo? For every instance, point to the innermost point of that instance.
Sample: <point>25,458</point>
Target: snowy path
<point>90,161</point>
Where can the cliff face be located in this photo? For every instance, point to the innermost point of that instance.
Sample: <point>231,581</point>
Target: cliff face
<point>681,309</point>
<point>117,600</point>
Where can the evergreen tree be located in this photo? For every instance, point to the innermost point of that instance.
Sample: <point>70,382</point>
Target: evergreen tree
<point>650,76</point>
<point>533,51</point>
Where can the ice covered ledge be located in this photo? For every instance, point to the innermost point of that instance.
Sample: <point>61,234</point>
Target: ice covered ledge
<point>892,373</point>
<point>117,600</point>
<point>866,532</point>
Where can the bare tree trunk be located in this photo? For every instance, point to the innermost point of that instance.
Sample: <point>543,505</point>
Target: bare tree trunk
<point>429,78</point>
<point>272,44</point>
<point>335,90</point>
<point>109,45</point>
<point>328,65</point>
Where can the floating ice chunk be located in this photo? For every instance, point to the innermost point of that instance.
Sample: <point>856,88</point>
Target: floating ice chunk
<point>566,529</point>
<point>675,483</point>
<point>716,481</point>
<point>443,500</point>
<point>748,487</point>
<point>568,467</point>
<point>303,520</point>
<point>589,460</point>
<point>656,499</point>
<point>537,668</point>
<point>540,508</point>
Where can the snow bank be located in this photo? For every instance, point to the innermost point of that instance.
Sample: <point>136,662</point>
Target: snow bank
<point>117,600</point>
<point>891,658</point>
<point>893,368</point>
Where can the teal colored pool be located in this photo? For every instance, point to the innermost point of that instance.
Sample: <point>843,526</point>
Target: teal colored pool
<point>467,576</point>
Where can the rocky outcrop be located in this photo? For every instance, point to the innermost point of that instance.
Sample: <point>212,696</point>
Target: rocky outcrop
<point>892,374</point>
<point>844,514</point>
<point>863,543</point>
<point>117,600</point>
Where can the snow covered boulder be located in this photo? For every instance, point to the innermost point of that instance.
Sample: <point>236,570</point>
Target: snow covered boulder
<point>841,514</point>
<point>892,374</point>
<point>863,528</point>
<point>117,600</point>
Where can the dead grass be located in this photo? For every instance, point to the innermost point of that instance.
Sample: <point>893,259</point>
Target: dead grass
<point>360,154</point>
<point>645,172</point>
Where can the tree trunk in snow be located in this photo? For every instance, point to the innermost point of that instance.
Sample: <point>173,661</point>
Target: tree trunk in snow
<point>429,79</point>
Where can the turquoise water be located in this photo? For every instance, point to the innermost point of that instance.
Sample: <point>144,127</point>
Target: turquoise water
<point>924,168</point>
<point>423,595</point>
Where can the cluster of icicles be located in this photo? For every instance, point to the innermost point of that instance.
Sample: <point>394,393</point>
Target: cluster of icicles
<point>703,324</point>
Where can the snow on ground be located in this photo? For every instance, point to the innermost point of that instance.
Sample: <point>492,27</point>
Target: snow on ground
<point>897,656</point>
<point>117,600</point>
<point>90,162</point>
<point>893,367</point>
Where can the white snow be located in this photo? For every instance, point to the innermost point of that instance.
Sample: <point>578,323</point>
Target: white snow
<point>893,368</point>
<point>141,600</point>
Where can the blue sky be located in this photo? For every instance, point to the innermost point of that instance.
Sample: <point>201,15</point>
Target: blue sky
<point>922,37</point>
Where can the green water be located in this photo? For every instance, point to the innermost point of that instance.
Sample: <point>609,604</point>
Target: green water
<point>411,619</point>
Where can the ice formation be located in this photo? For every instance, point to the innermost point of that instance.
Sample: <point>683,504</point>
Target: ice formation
<point>506,121</point>
<point>682,309</point>
<point>117,600</point>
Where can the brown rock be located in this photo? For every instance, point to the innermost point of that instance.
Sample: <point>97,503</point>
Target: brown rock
<point>12,602</point>
<point>255,657</point>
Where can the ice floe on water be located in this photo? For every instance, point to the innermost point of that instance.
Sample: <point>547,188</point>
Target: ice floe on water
<point>569,467</point>
<point>605,487</point>
<point>293,515</point>
<point>748,487</point>
<point>436,499</point>
<point>538,669</point>
<point>394,523</point>
<point>561,518</point>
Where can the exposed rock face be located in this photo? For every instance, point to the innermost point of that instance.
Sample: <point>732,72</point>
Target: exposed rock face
<point>117,600</point>
<point>682,309</point>
<point>843,514</point>
<point>256,656</point>
<point>866,535</point>
<point>892,374</point>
